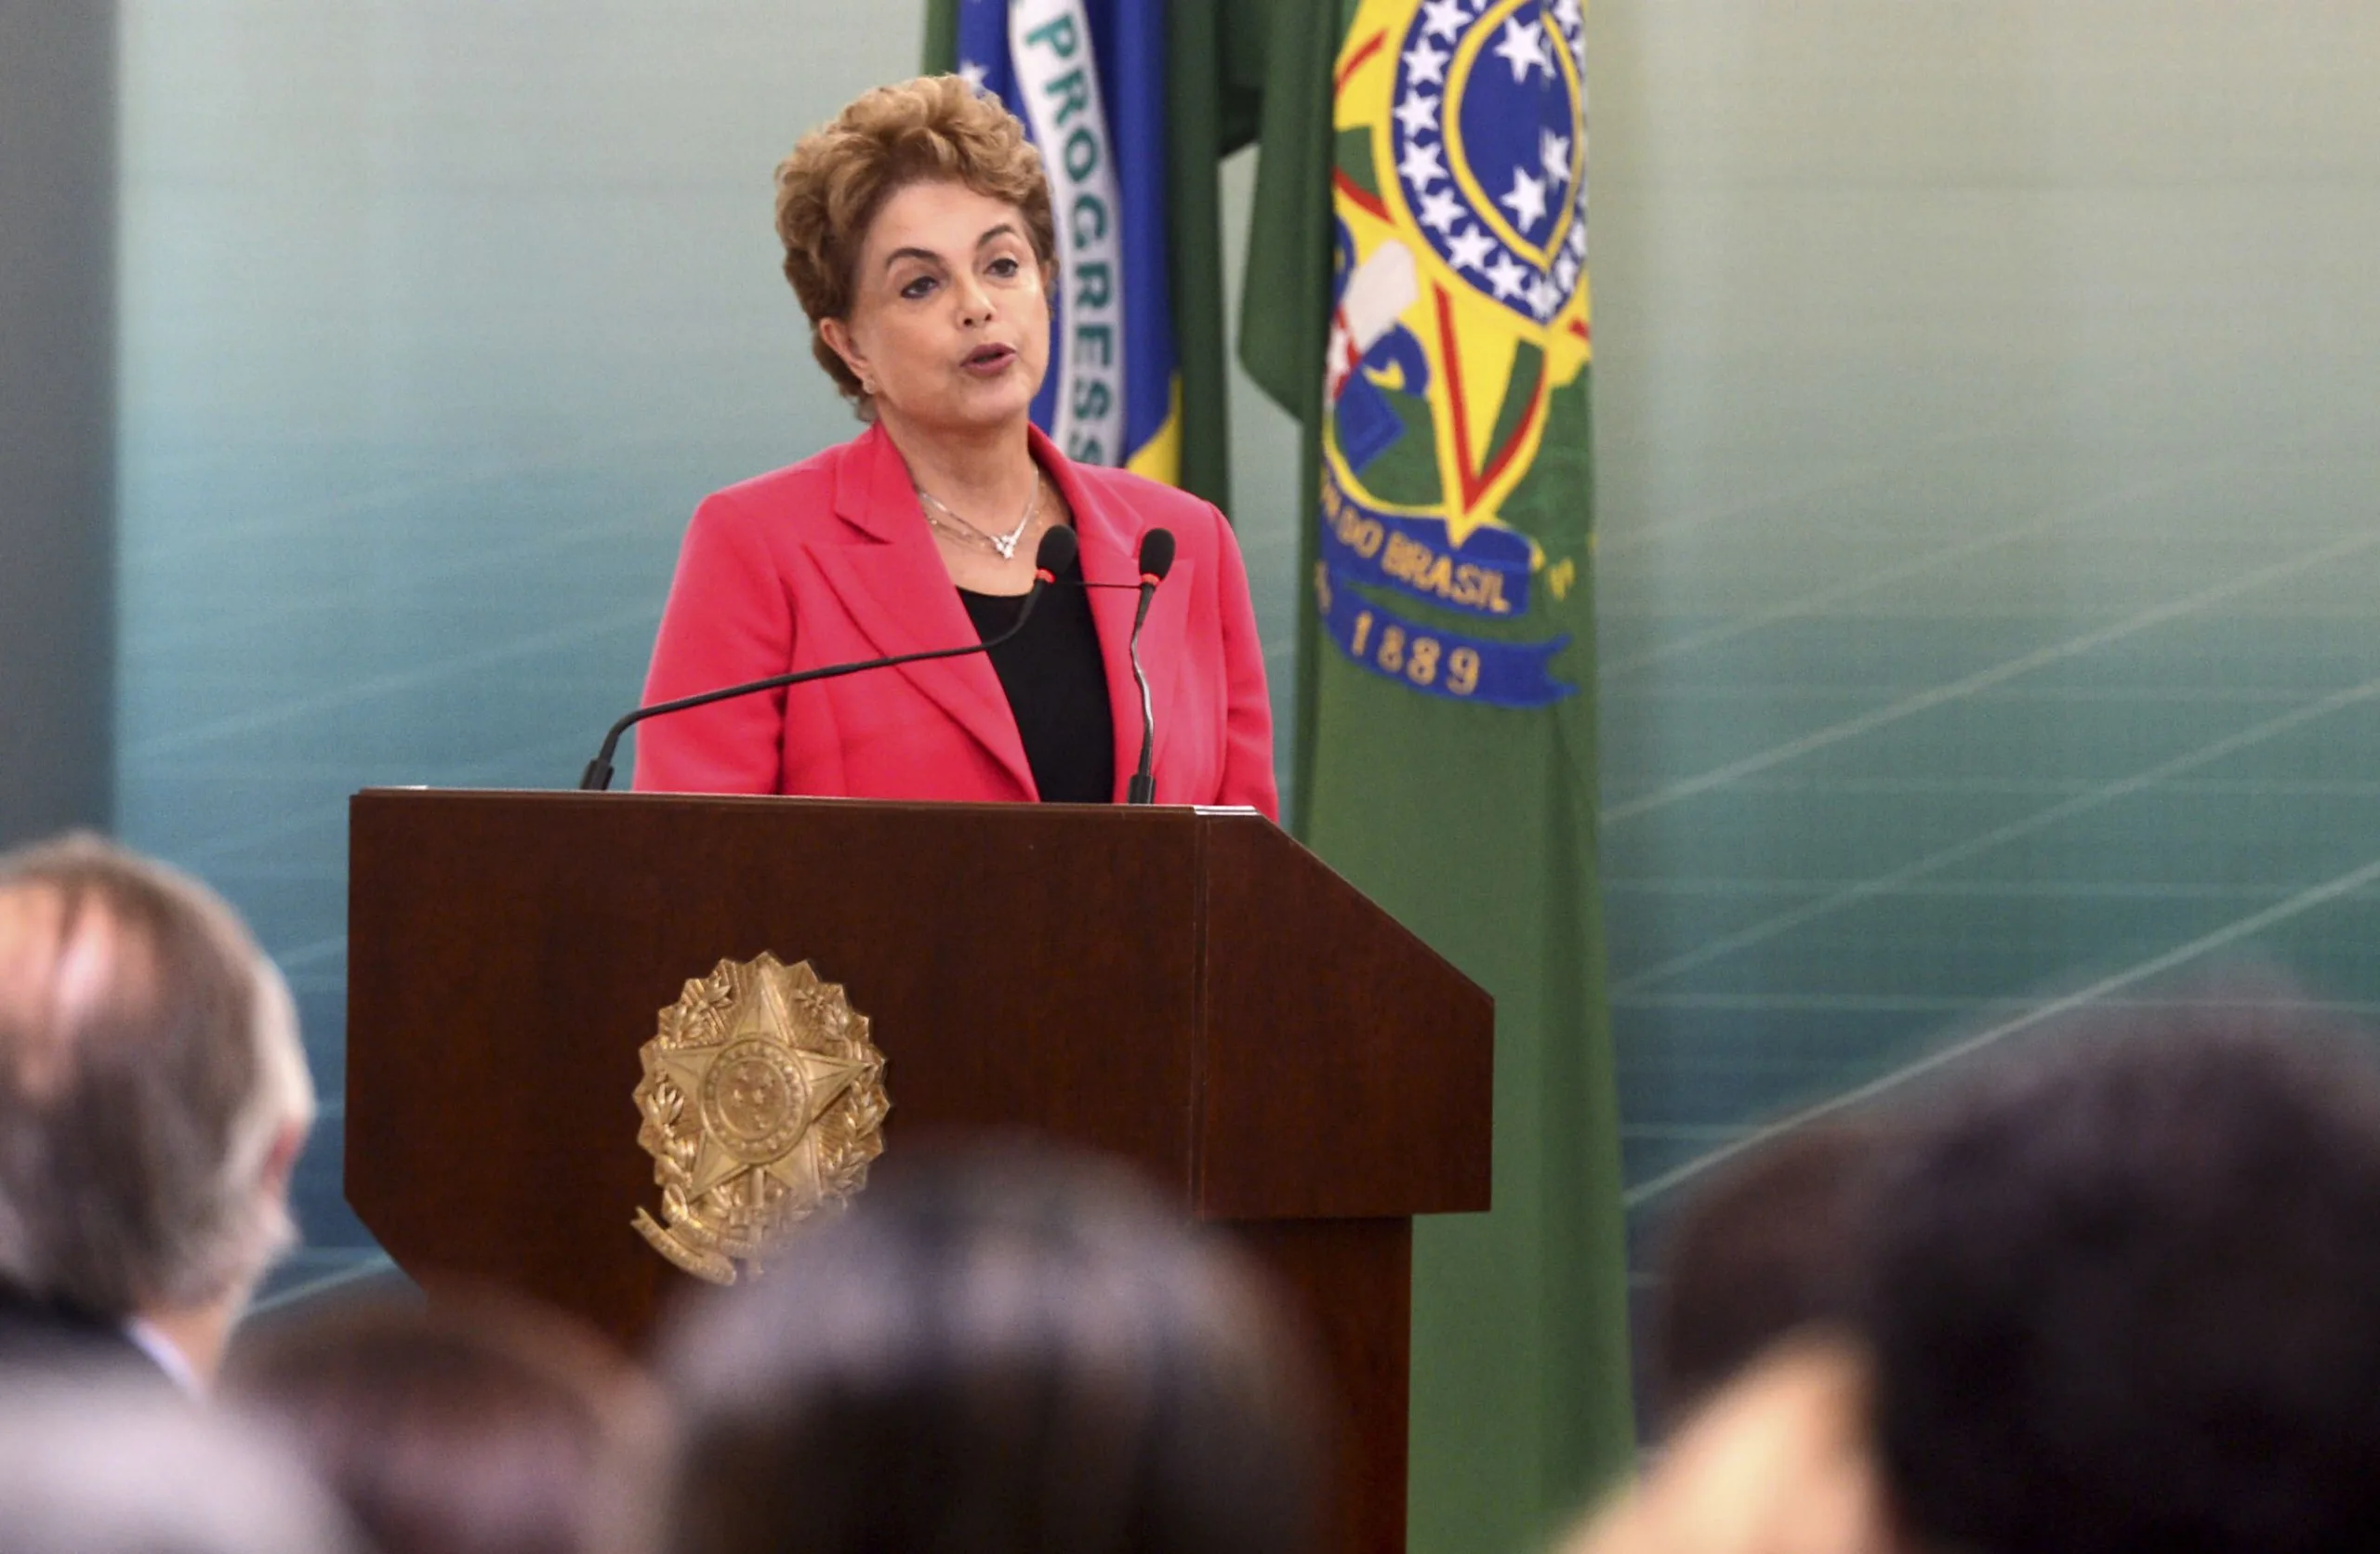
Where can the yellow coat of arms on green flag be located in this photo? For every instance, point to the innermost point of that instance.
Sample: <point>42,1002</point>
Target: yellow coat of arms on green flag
<point>1459,310</point>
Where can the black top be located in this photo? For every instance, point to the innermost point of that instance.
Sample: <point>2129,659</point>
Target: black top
<point>1057,687</point>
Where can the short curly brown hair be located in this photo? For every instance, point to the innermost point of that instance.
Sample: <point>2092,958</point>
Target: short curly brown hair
<point>934,128</point>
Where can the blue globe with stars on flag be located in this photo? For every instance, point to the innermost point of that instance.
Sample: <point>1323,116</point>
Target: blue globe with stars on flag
<point>1490,153</point>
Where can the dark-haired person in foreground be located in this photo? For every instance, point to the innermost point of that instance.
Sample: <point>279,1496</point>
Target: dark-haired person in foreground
<point>2118,1291</point>
<point>475,1425</point>
<point>1000,1352</point>
<point>153,1100</point>
<point>1758,1376</point>
<point>2124,1294</point>
<point>1768,1245</point>
<point>918,235</point>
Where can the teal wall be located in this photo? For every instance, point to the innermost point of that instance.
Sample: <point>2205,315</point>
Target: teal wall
<point>1983,392</point>
<point>57,413</point>
<point>1991,528</point>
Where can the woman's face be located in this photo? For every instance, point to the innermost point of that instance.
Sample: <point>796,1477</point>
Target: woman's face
<point>950,322</point>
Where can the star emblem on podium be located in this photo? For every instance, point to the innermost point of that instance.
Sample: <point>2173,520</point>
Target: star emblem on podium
<point>762,1099</point>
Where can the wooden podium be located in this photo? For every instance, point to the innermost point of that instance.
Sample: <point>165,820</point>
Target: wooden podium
<point>1189,990</point>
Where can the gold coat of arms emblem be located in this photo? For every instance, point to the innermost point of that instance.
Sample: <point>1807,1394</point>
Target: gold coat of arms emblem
<point>763,1100</point>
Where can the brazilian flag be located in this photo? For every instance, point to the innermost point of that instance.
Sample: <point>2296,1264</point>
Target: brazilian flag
<point>1416,296</point>
<point>1087,78</point>
<point>1181,84</point>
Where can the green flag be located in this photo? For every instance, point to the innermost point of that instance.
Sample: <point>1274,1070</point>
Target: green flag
<point>1416,296</point>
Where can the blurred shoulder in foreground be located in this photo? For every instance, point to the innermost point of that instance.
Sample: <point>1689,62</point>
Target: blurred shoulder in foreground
<point>114,1467</point>
<point>1776,1461</point>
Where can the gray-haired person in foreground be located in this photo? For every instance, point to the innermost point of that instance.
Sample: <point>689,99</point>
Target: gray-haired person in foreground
<point>154,1098</point>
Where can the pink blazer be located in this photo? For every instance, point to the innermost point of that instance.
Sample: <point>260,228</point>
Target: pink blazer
<point>828,560</point>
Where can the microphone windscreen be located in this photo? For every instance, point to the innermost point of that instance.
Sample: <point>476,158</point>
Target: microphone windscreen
<point>1157,553</point>
<point>1057,551</point>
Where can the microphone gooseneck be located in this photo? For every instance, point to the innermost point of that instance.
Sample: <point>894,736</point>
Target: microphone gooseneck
<point>1054,555</point>
<point>1156,560</point>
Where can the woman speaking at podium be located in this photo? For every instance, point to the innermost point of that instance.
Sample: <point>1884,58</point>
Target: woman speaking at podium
<point>918,236</point>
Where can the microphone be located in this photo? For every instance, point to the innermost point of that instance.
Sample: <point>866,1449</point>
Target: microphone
<point>1157,560</point>
<point>1054,555</point>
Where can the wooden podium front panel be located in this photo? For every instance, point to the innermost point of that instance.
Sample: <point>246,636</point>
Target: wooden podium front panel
<point>508,953</point>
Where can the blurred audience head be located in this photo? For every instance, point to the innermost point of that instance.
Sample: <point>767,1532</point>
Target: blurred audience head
<point>153,1094</point>
<point>1765,1247</point>
<point>2124,1294</point>
<point>472,1425</point>
<point>97,1469</point>
<point>999,1351</point>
